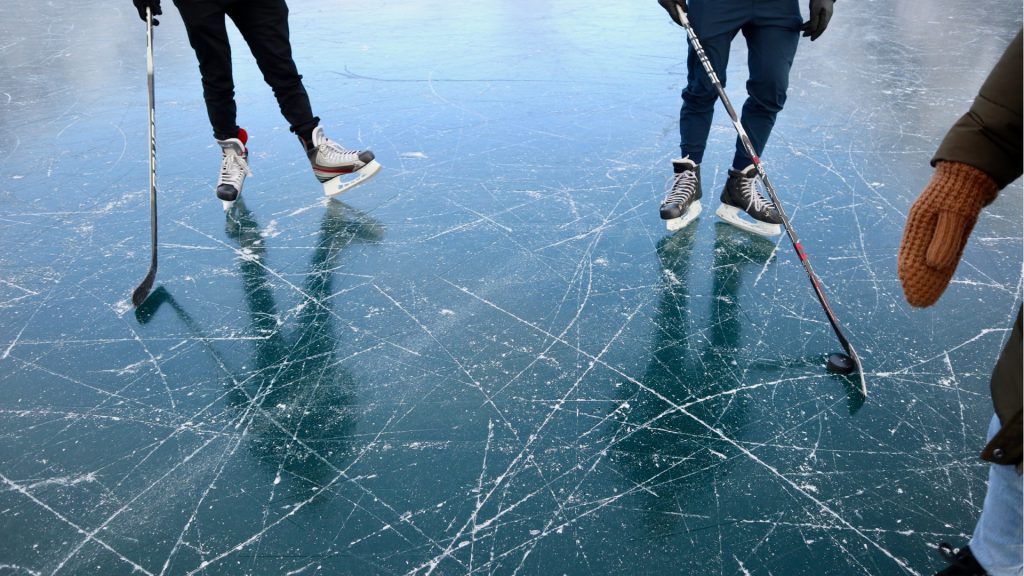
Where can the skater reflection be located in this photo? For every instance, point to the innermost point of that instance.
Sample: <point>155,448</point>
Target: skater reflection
<point>666,453</point>
<point>297,399</point>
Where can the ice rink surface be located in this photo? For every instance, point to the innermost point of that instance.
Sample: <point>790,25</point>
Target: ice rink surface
<point>492,358</point>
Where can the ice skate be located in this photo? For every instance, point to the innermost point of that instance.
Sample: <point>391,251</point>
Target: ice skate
<point>233,169</point>
<point>337,168</point>
<point>740,195</point>
<point>682,202</point>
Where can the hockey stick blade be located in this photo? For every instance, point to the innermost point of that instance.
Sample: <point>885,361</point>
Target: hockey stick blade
<point>140,293</point>
<point>860,368</point>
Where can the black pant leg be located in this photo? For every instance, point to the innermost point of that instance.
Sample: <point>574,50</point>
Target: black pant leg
<point>205,26</point>
<point>264,25</point>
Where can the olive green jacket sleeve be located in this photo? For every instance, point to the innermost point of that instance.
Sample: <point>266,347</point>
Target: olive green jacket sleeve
<point>988,136</point>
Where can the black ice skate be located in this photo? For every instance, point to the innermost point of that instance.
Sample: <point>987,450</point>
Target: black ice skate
<point>961,562</point>
<point>682,202</point>
<point>332,164</point>
<point>741,195</point>
<point>233,169</point>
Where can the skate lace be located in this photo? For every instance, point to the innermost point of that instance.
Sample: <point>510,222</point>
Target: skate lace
<point>754,198</point>
<point>684,186</point>
<point>330,152</point>
<point>233,169</point>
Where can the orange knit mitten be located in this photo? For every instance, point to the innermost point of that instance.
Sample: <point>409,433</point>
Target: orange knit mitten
<point>937,228</point>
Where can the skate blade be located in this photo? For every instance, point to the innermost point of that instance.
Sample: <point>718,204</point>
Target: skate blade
<point>731,214</point>
<point>338,184</point>
<point>676,224</point>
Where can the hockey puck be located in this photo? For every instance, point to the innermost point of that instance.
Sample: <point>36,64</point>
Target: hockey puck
<point>840,363</point>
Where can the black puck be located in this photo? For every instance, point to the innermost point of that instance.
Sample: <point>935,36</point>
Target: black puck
<point>840,363</point>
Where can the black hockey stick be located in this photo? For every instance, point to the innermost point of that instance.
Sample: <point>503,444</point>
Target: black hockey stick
<point>837,362</point>
<point>140,293</point>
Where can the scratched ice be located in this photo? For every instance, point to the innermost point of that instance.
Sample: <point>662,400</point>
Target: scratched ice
<point>491,359</point>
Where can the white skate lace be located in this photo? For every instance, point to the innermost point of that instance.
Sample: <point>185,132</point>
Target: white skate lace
<point>233,170</point>
<point>754,199</point>
<point>684,186</point>
<point>330,153</point>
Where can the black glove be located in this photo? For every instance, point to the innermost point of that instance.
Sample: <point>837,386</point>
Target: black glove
<point>153,5</point>
<point>670,6</point>
<point>821,13</point>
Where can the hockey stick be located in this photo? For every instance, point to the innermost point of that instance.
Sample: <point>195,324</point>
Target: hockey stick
<point>140,293</point>
<point>836,362</point>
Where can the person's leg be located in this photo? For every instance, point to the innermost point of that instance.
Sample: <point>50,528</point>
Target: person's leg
<point>264,25</point>
<point>996,543</point>
<point>771,46</point>
<point>716,23</point>
<point>204,24</point>
<point>207,33</point>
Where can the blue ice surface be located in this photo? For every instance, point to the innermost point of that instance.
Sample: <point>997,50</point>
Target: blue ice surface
<point>492,358</point>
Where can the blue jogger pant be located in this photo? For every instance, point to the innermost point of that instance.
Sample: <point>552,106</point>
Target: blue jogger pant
<point>772,30</point>
<point>996,543</point>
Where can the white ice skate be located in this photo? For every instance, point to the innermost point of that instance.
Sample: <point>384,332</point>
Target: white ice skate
<point>745,208</point>
<point>337,168</point>
<point>233,170</point>
<point>682,202</point>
